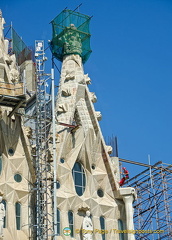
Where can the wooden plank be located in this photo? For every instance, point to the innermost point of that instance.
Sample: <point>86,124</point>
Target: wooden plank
<point>11,89</point>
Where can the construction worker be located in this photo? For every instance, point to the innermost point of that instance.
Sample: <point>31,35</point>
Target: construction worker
<point>125,176</point>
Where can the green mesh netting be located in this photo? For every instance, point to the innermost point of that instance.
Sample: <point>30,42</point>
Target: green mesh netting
<point>71,35</point>
<point>20,49</point>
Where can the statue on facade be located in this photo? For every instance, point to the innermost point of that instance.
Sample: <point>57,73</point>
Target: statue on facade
<point>2,215</point>
<point>87,227</point>
<point>8,68</point>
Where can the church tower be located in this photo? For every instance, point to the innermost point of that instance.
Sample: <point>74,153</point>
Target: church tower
<point>90,203</point>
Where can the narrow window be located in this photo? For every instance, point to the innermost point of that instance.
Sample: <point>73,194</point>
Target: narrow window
<point>102,225</point>
<point>58,222</point>
<point>11,151</point>
<point>79,178</point>
<point>5,207</point>
<point>120,227</point>
<point>18,215</point>
<point>71,222</point>
<point>0,164</point>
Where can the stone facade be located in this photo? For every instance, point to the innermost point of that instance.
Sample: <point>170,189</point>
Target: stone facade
<point>84,150</point>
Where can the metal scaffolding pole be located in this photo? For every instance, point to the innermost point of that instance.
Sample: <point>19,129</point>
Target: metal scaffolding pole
<point>44,174</point>
<point>54,151</point>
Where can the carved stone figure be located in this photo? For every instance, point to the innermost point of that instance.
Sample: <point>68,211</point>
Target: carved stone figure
<point>70,75</point>
<point>66,91</point>
<point>72,40</point>
<point>2,215</point>
<point>28,131</point>
<point>109,149</point>
<point>87,227</point>
<point>87,79</point>
<point>93,97</point>
<point>8,68</point>
<point>14,75</point>
<point>62,108</point>
<point>98,115</point>
<point>2,22</point>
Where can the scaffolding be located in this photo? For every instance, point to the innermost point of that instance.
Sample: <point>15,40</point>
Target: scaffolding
<point>71,35</point>
<point>43,161</point>
<point>153,207</point>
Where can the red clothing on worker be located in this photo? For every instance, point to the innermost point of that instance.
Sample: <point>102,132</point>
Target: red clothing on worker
<point>122,181</point>
<point>125,176</point>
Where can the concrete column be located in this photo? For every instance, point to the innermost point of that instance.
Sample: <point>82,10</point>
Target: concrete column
<point>129,195</point>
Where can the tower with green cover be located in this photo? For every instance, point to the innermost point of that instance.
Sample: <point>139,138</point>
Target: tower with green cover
<point>71,35</point>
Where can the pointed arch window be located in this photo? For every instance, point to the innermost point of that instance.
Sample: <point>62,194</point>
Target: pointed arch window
<point>71,222</point>
<point>18,215</point>
<point>5,207</point>
<point>58,222</point>
<point>120,227</point>
<point>102,225</point>
<point>79,178</point>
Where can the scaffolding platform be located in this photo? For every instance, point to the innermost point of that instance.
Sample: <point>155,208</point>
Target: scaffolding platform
<point>10,101</point>
<point>12,95</point>
<point>153,207</point>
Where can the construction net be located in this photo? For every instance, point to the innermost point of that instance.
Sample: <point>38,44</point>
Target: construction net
<point>20,49</point>
<point>71,35</point>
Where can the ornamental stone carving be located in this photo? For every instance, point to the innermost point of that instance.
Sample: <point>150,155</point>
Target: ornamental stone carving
<point>87,227</point>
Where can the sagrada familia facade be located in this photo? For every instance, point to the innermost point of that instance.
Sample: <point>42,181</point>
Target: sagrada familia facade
<point>90,203</point>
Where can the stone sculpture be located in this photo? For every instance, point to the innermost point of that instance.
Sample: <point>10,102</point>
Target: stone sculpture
<point>72,38</point>
<point>93,97</point>
<point>2,215</point>
<point>8,68</point>
<point>87,79</point>
<point>98,115</point>
<point>87,227</point>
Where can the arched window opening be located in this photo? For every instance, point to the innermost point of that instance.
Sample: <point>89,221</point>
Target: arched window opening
<point>58,221</point>
<point>71,222</point>
<point>120,227</point>
<point>79,178</point>
<point>102,225</point>
<point>5,219</point>
<point>18,215</point>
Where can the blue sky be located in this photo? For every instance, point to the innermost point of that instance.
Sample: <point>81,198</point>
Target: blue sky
<point>130,66</point>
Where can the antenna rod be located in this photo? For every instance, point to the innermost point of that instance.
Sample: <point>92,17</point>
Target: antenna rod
<point>77,7</point>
